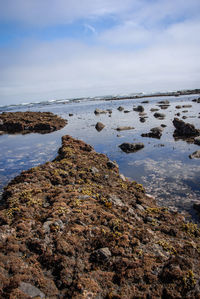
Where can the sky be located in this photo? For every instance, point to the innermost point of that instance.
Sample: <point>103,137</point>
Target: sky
<point>58,49</point>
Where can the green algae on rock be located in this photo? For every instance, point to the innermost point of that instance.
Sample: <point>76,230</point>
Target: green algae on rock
<point>27,122</point>
<point>74,228</point>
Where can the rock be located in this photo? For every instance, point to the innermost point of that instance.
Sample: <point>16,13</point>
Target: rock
<point>30,290</point>
<point>112,164</point>
<point>101,255</point>
<point>164,106</point>
<point>178,107</point>
<point>127,111</point>
<point>197,140</point>
<point>186,106</point>
<point>99,126</point>
<point>71,114</point>
<point>154,133</point>
<point>163,125</point>
<point>1,132</point>
<point>159,115</point>
<point>154,109</point>
<point>196,100</point>
<point>131,147</point>
<point>142,119</point>
<point>27,122</point>
<point>184,117</point>
<point>196,206</point>
<point>94,170</point>
<point>120,108</point>
<point>109,111</point>
<point>195,155</point>
<point>116,201</point>
<point>145,102</point>
<point>184,129</point>
<point>99,111</point>
<point>139,108</point>
<point>124,128</point>
<point>165,102</point>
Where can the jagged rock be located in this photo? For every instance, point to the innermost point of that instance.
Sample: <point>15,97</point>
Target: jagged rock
<point>154,133</point>
<point>99,126</point>
<point>131,147</point>
<point>139,108</point>
<point>195,155</point>
<point>124,128</point>
<point>184,129</point>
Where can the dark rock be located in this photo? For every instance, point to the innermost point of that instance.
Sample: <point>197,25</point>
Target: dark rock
<point>196,100</point>
<point>30,290</point>
<point>154,109</point>
<point>145,102</point>
<point>131,147</point>
<point>186,106</point>
<point>178,107</point>
<point>184,129</point>
<point>142,119</point>
<point>99,126</point>
<point>109,111</point>
<point>120,108</point>
<point>101,255</point>
<point>127,111</point>
<point>184,117</point>
<point>195,155</point>
<point>71,114</point>
<point>139,108</point>
<point>159,115</point>
<point>196,206</point>
<point>112,164</point>
<point>163,125</point>
<point>165,102</point>
<point>154,133</point>
<point>124,128</point>
<point>197,140</point>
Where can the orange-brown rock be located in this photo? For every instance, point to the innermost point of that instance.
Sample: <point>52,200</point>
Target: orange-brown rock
<point>74,228</point>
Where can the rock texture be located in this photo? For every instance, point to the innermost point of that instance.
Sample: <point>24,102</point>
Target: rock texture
<point>27,122</point>
<point>73,228</point>
<point>184,129</point>
<point>99,126</point>
<point>154,133</point>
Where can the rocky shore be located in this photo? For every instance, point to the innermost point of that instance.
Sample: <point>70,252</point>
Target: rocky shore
<point>27,122</point>
<point>76,228</point>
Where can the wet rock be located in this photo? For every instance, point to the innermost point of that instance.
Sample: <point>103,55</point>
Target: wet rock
<point>139,108</point>
<point>71,114</point>
<point>145,102</point>
<point>109,111</point>
<point>154,133</point>
<point>159,115</point>
<point>142,119</point>
<point>197,140</point>
<point>195,155</point>
<point>99,126</point>
<point>186,106</point>
<point>120,108</point>
<point>99,111</point>
<point>163,125</point>
<point>178,107</point>
<point>124,128</point>
<point>127,111</point>
<point>30,290</point>
<point>131,147</point>
<point>184,117</point>
<point>184,129</point>
<point>196,100</point>
<point>112,164</point>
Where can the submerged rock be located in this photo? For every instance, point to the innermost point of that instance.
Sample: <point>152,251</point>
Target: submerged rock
<point>131,147</point>
<point>27,122</point>
<point>124,128</point>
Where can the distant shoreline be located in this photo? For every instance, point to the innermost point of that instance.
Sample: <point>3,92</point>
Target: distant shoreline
<point>162,94</point>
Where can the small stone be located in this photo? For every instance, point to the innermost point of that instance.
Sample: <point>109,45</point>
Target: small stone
<point>99,126</point>
<point>195,155</point>
<point>139,108</point>
<point>99,111</point>
<point>101,255</point>
<point>131,147</point>
<point>120,108</point>
<point>159,115</point>
<point>197,140</point>
<point>124,128</point>
<point>31,290</point>
<point>94,170</point>
<point>112,164</point>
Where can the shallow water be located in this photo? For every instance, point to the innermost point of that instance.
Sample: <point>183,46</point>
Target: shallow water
<point>163,166</point>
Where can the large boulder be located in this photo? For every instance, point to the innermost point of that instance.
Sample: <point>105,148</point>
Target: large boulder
<point>184,129</point>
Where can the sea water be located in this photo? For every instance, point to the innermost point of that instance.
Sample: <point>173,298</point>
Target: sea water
<point>163,166</point>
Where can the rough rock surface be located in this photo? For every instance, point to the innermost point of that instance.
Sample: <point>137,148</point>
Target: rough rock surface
<point>131,147</point>
<point>27,122</point>
<point>73,228</point>
<point>184,129</point>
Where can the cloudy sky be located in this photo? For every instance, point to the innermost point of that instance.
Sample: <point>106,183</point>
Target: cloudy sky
<point>53,49</point>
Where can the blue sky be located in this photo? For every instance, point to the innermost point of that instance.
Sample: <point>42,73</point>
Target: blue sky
<point>72,48</point>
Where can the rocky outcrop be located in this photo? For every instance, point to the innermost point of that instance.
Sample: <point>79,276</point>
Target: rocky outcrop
<point>27,122</point>
<point>74,228</point>
<point>131,147</point>
<point>184,129</point>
